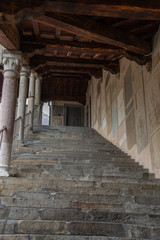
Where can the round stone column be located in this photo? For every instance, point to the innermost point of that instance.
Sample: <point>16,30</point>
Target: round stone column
<point>23,87</point>
<point>12,65</point>
<point>37,99</point>
<point>31,96</point>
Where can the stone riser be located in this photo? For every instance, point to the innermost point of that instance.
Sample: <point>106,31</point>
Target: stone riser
<point>63,237</point>
<point>16,213</point>
<point>79,228</point>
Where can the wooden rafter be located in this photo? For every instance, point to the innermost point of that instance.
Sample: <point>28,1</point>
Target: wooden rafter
<point>96,31</point>
<point>148,10</point>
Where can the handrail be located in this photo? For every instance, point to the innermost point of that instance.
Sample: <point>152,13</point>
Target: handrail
<point>18,118</point>
<point>1,132</point>
<point>26,122</point>
<point>4,128</point>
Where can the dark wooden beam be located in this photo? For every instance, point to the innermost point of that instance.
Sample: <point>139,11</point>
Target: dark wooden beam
<point>61,76</point>
<point>93,30</point>
<point>71,70</point>
<point>29,44</point>
<point>52,97</point>
<point>146,10</point>
<point>38,59</point>
<point>36,28</point>
<point>66,74</point>
<point>9,36</point>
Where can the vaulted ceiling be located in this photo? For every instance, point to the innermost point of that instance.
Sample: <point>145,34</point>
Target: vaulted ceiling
<point>68,41</point>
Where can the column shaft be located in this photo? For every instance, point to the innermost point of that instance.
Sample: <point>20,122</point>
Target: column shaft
<point>31,97</point>
<point>11,64</point>
<point>37,99</point>
<point>22,99</point>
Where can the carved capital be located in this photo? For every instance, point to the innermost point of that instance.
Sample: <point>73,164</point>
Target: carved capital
<point>11,63</point>
<point>33,74</point>
<point>25,71</point>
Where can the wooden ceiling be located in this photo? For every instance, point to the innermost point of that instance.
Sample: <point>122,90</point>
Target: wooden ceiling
<point>68,41</point>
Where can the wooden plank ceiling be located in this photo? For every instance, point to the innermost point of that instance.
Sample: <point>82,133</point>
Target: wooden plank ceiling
<point>68,41</point>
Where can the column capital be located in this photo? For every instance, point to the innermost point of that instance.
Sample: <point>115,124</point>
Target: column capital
<point>12,61</point>
<point>25,70</point>
<point>33,74</point>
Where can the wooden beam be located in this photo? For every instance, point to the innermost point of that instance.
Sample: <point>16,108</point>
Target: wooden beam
<point>67,75</point>
<point>52,97</point>
<point>95,63</point>
<point>146,10</point>
<point>9,36</point>
<point>58,33</point>
<point>77,70</point>
<point>35,28</point>
<point>29,44</point>
<point>95,31</point>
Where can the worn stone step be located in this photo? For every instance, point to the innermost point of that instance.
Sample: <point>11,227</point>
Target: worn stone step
<point>59,237</point>
<point>80,228</point>
<point>40,158</point>
<point>72,152</point>
<point>79,237</point>
<point>82,187</point>
<point>79,170</point>
<point>107,164</point>
<point>127,206</point>
<point>17,237</point>
<point>17,213</point>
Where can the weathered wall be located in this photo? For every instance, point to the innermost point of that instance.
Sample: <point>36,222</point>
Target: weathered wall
<point>126,109</point>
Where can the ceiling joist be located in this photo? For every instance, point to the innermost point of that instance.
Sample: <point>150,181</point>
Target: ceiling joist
<point>95,31</point>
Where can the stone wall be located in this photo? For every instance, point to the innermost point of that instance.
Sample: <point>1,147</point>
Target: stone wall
<point>126,108</point>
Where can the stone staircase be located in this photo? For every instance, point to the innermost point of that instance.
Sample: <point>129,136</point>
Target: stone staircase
<point>69,183</point>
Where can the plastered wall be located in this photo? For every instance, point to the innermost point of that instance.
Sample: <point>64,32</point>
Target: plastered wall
<point>126,109</point>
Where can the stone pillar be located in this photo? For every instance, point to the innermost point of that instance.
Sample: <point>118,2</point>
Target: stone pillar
<point>23,87</point>
<point>31,97</point>
<point>12,65</point>
<point>37,99</point>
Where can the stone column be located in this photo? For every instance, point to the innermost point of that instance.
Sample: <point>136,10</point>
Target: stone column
<point>37,99</point>
<point>23,87</point>
<point>12,65</point>
<point>31,97</point>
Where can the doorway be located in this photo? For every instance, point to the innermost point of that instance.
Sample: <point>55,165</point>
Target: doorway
<point>73,115</point>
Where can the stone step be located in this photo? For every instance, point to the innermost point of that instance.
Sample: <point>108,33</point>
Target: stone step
<point>80,228</point>
<point>86,167</point>
<point>70,214</point>
<point>82,186</point>
<point>78,171</point>
<point>72,154</point>
<point>51,160</point>
<point>39,174</point>
<point>49,156</point>
<point>18,237</point>
<point>126,207</point>
<point>79,237</point>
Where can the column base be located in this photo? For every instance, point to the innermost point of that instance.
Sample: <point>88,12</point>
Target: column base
<point>4,172</point>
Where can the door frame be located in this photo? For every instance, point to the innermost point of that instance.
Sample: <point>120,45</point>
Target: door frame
<point>73,106</point>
